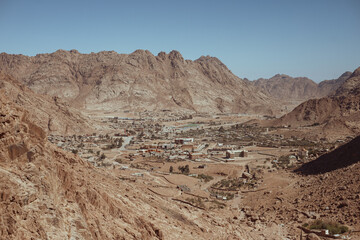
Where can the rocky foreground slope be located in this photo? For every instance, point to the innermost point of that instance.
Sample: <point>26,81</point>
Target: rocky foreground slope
<point>339,112</point>
<point>326,189</point>
<point>47,193</point>
<point>331,187</point>
<point>137,81</point>
<point>50,113</point>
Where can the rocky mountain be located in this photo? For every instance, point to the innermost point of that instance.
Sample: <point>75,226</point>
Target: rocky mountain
<point>47,193</point>
<point>350,87</point>
<point>137,81</point>
<point>339,111</point>
<point>328,87</point>
<point>287,88</point>
<point>50,113</point>
<point>284,87</point>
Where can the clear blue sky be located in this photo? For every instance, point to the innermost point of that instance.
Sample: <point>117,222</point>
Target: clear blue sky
<point>319,39</point>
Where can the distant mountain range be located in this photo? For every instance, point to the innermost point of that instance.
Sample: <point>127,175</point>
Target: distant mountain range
<point>141,81</point>
<point>340,111</point>
<point>138,81</point>
<point>284,87</point>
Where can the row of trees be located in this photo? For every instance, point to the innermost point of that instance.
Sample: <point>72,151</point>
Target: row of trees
<point>183,169</point>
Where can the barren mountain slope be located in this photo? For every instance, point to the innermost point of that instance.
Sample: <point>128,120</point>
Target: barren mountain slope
<point>338,112</point>
<point>49,113</point>
<point>137,81</point>
<point>328,87</point>
<point>285,87</point>
<point>351,86</point>
<point>341,157</point>
<point>334,191</point>
<point>47,193</point>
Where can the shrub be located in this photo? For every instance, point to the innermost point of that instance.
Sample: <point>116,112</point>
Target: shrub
<point>206,178</point>
<point>184,169</point>
<point>333,227</point>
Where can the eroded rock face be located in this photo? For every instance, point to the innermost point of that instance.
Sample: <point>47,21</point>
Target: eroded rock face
<point>51,113</point>
<point>137,81</point>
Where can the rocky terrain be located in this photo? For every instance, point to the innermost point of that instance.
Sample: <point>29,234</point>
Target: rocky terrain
<point>103,190</point>
<point>138,81</point>
<point>47,193</point>
<point>336,114</point>
<point>325,189</point>
<point>50,113</point>
<point>328,87</point>
<point>287,88</point>
<point>333,192</point>
<point>284,87</point>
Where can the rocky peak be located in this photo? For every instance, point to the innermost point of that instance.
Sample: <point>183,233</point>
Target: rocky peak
<point>346,74</point>
<point>60,52</point>
<point>213,61</point>
<point>141,52</point>
<point>356,73</point>
<point>175,55</point>
<point>351,85</point>
<point>162,55</point>
<point>74,51</point>
<point>282,76</point>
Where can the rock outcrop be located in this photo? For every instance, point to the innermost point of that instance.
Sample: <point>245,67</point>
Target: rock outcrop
<point>50,113</point>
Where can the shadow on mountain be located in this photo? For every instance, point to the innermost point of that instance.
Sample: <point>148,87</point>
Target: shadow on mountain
<point>341,157</point>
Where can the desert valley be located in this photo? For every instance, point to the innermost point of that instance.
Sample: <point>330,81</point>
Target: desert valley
<point>141,146</point>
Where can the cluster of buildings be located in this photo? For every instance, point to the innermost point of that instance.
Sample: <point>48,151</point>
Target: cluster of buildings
<point>187,148</point>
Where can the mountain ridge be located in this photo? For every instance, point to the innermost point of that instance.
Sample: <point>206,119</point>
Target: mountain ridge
<point>285,87</point>
<point>137,81</point>
<point>339,111</point>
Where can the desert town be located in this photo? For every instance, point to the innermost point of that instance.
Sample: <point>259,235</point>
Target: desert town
<point>206,162</point>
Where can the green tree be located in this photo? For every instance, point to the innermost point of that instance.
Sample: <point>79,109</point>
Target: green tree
<point>184,169</point>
